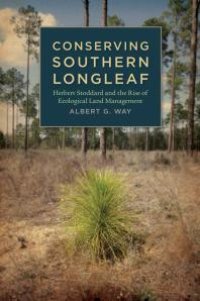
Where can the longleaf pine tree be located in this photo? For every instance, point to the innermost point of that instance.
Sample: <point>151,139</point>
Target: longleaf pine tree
<point>14,93</point>
<point>84,138</point>
<point>26,25</point>
<point>192,79</point>
<point>103,145</point>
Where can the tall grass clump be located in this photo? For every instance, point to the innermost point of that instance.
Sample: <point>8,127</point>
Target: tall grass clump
<point>97,215</point>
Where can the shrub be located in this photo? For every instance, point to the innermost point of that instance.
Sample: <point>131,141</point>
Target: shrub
<point>97,214</point>
<point>162,159</point>
<point>147,295</point>
<point>2,140</point>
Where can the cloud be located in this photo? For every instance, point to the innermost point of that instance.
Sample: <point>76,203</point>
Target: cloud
<point>48,19</point>
<point>164,78</point>
<point>166,105</point>
<point>11,47</point>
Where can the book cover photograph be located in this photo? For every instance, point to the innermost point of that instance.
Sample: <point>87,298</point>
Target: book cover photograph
<point>99,150</point>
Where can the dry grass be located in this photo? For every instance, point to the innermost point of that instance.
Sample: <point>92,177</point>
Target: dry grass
<point>164,262</point>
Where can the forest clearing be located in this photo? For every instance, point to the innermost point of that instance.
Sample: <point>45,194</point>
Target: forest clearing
<point>164,260</point>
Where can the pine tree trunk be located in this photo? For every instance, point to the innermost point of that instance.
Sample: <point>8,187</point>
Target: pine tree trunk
<point>154,140</point>
<point>13,116</point>
<point>103,130</point>
<point>94,138</point>
<point>86,12</point>
<point>174,138</point>
<point>7,115</point>
<point>192,79</point>
<point>103,143</point>
<point>84,141</point>
<point>113,140</point>
<point>105,13</point>
<point>134,138</point>
<point>146,139</point>
<point>17,115</point>
<point>16,123</point>
<point>173,93</point>
<point>13,125</point>
<point>63,138</point>
<point>84,138</point>
<point>27,97</point>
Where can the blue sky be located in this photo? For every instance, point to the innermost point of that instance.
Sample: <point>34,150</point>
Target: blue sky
<point>70,13</point>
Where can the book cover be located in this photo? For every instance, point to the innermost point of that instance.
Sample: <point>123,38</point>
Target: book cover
<point>99,150</point>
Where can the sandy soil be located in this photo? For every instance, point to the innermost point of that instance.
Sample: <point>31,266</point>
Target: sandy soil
<point>35,262</point>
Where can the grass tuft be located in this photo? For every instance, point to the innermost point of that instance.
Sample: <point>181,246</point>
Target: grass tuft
<point>97,215</point>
